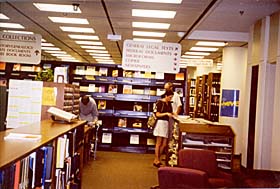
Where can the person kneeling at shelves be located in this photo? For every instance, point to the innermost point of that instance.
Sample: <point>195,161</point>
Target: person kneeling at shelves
<point>88,110</point>
<point>161,130</point>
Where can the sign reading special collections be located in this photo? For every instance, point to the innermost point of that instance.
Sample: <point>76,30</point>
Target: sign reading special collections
<point>151,56</point>
<point>20,48</point>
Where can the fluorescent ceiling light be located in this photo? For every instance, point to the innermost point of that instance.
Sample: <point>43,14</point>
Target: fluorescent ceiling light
<point>14,31</point>
<point>92,47</point>
<point>69,20</point>
<point>43,40</point>
<point>161,1</point>
<point>88,37</point>
<point>198,53</point>
<point>151,34</point>
<point>100,55</point>
<point>61,55</point>
<point>3,16</point>
<point>56,8</point>
<point>89,42</point>
<point>11,25</point>
<point>153,13</point>
<point>96,51</point>
<point>50,48</point>
<point>47,45</point>
<point>151,40</point>
<point>56,52</point>
<point>150,25</point>
<point>102,58</point>
<point>192,56</point>
<point>210,43</point>
<point>76,29</point>
<point>207,49</point>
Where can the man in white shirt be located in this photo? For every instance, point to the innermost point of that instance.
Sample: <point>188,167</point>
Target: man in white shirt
<point>176,101</point>
<point>88,110</point>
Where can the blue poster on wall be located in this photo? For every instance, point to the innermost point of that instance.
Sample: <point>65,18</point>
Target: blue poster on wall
<point>230,102</point>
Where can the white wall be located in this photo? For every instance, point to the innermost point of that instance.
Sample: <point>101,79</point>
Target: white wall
<point>234,77</point>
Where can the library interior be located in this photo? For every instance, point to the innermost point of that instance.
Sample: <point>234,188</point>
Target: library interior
<point>166,94</point>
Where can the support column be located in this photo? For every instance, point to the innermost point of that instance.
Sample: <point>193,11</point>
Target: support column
<point>233,78</point>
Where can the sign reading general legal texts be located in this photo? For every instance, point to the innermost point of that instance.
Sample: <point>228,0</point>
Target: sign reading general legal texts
<point>151,56</point>
<point>20,48</point>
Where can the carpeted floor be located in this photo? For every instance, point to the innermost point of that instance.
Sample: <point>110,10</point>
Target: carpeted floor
<point>119,170</point>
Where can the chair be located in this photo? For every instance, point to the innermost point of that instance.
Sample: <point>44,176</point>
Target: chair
<point>196,169</point>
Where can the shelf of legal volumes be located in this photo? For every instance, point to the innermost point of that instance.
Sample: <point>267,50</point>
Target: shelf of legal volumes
<point>125,100</point>
<point>45,154</point>
<point>203,134</point>
<point>191,97</point>
<point>213,95</point>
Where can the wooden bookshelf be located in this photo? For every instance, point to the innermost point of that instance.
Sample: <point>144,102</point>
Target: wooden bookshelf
<point>12,150</point>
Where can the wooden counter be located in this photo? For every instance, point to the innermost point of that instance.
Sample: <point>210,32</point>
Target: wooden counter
<point>12,150</point>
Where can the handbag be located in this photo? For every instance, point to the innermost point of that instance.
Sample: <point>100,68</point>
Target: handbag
<point>152,120</point>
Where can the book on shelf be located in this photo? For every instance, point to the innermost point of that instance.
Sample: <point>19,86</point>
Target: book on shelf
<point>122,122</point>
<point>2,65</point>
<point>134,139</point>
<point>103,71</point>
<point>147,90</point>
<point>91,87</point>
<point>137,123</point>
<point>62,115</point>
<point>137,74</point>
<point>115,73</point>
<point>127,73</point>
<point>101,89</point>
<point>127,89</point>
<point>17,67</point>
<point>101,105</point>
<point>80,70</point>
<point>112,88</point>
<point>137,107</point>
<point>106,138</point>
<point>90,70</point>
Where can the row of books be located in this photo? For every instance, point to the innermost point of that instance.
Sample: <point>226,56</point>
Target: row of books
<point>133,139</point>
<point>30,172</point>
<point>103,71</point>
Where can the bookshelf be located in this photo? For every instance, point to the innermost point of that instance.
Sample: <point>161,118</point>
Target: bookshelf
<point>125,100</point>
<point>213,92</point>
<point>191,97</point>
<point>198,93</point>
<point>23,153</point>
<point>204,134</point>
<point>117,92</point>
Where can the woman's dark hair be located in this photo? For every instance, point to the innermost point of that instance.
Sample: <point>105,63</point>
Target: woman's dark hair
<point>167,93</point>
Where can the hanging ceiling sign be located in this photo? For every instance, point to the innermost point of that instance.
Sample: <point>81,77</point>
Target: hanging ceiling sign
<point>197,62</point>
<point>151,56</point>
<point>20,48</point>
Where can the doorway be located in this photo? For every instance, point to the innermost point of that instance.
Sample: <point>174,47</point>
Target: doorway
<point>252,117</point>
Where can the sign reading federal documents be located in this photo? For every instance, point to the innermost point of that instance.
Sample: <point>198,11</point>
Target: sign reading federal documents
<point>20,48</point>
<point>151,56</point>
<point>230,103</point>
<point>198,62</point>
